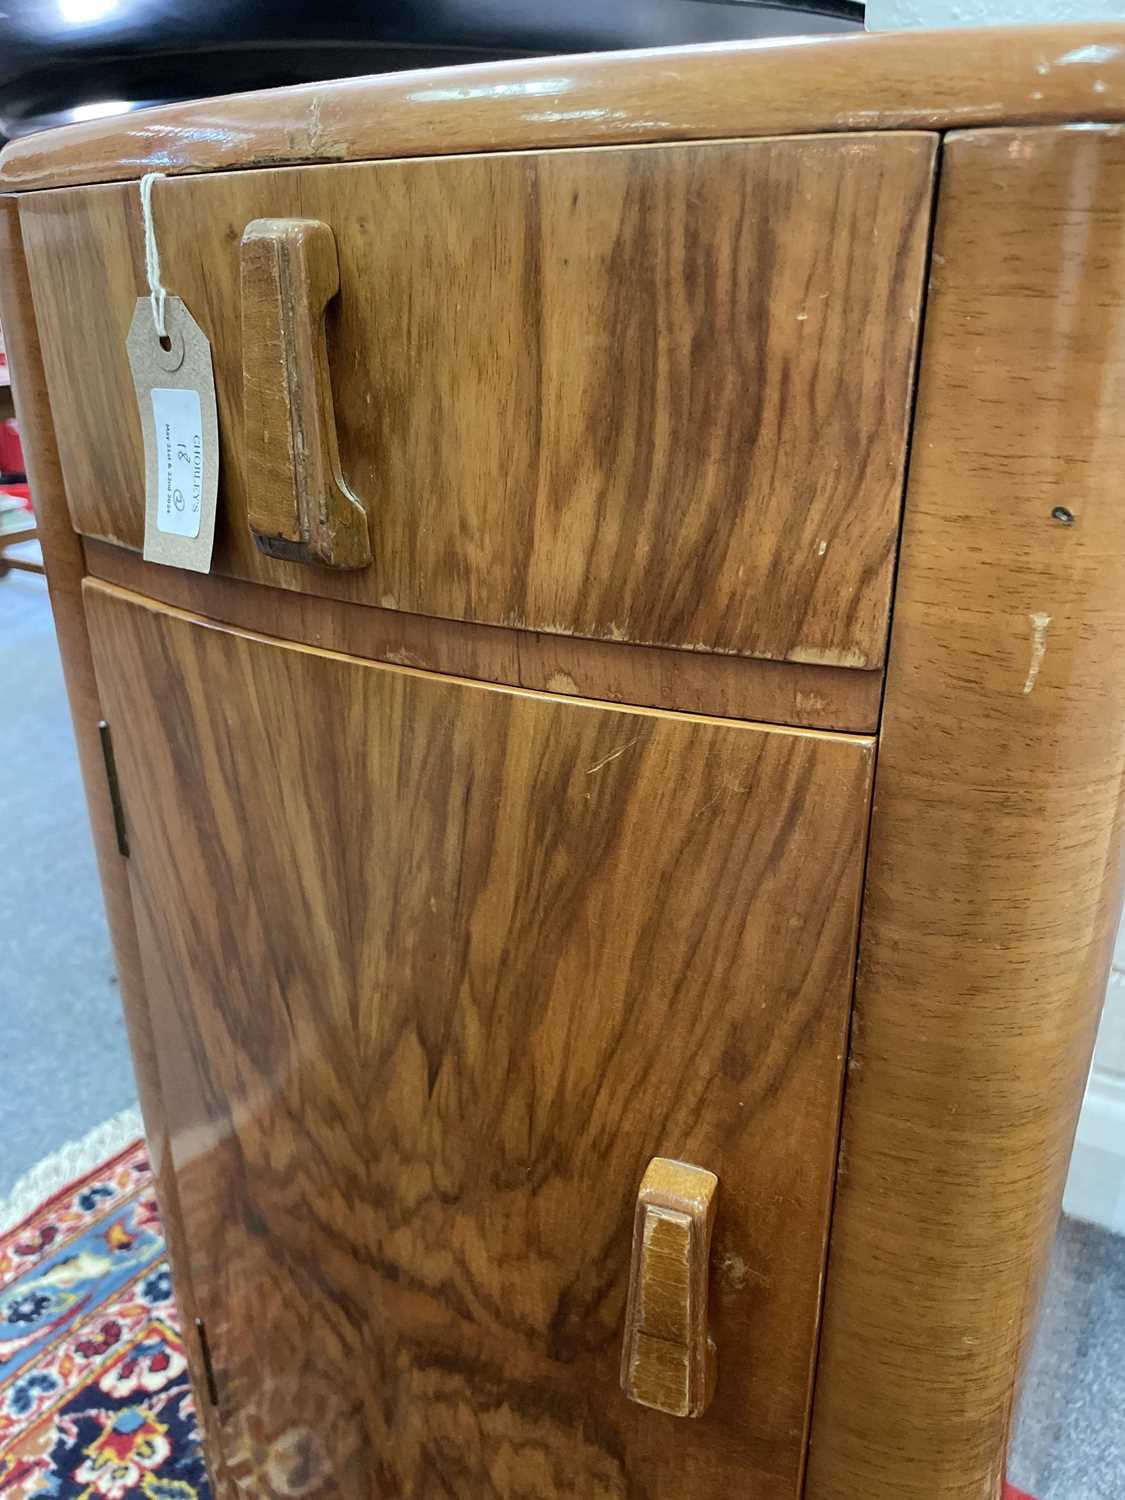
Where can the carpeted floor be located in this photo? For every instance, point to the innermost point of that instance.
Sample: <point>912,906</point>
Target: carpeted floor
<point>60,1017</point>
<point>94,1396</point>
<point>1069,1441</point>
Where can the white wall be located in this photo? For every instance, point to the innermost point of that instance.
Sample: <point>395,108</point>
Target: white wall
<point>890,15</point>
<point>1095,1189</point>
<point>1110,1056</point>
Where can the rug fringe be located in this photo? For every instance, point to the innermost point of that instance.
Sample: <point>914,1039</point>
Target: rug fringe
<point>67,1164</point>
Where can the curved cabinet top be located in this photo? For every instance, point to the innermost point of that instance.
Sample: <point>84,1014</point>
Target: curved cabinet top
<point>928,80</point>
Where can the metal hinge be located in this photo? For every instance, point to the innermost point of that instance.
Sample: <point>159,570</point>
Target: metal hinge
<point>208,1369</point>
<point>114,789</point>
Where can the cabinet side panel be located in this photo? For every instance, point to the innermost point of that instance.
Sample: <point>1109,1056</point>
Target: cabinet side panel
<point>62,556</point>
<point>993,883</point>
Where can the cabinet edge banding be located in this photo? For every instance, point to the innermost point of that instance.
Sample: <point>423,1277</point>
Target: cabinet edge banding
<point>790,694</point>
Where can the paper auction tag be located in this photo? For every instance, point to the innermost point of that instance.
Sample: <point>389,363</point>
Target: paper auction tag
<point>176,399</point>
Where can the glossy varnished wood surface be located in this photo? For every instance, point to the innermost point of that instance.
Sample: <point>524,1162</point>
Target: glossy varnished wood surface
<point>907,80</point>
<point>729,687</point>
<point>655,395</point>
<point>65,566</point>
<point>437,969</point>
<point>993,886</point>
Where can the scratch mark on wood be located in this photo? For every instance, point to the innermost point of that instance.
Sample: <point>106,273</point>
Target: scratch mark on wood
<point>1039,624</point>
<point>612,756</point>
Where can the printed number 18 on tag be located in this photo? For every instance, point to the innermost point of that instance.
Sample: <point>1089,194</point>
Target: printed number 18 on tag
<point>179,460</point>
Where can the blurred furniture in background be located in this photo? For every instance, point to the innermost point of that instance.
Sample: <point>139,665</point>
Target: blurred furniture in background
<point>17,520</point>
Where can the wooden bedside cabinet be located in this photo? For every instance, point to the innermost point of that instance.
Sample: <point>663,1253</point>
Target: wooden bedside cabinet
<point>613,869</point>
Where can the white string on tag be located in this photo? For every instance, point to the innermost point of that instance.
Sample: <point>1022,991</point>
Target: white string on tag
<point>157,294</point>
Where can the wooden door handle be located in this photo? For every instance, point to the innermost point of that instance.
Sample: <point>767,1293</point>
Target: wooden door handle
<point>668,1360</point>
<point>299,506</point>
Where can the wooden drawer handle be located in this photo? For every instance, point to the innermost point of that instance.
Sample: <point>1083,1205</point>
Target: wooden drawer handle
<point>668,1361</point>
<point>298,504</point>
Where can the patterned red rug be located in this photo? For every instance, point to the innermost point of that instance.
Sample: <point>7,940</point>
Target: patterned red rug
<point>94,1395</point>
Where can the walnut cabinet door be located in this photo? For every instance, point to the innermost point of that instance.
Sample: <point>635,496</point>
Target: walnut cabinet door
<point>435,970</point>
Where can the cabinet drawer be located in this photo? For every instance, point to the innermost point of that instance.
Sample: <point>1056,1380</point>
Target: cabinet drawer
<point>652,394</point>
<point>431,981</point>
